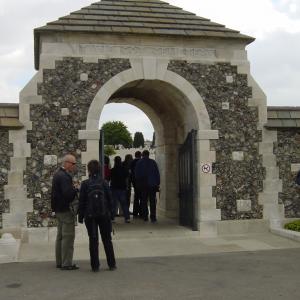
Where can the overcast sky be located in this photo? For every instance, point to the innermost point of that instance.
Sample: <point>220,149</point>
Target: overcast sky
<point>274,56</point>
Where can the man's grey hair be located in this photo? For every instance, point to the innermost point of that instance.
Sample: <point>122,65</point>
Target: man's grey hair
<point>67,158</point>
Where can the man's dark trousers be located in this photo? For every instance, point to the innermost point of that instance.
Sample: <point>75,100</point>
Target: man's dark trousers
<point>148,193</point>
<point>137,202</point>
<point>104,224</point>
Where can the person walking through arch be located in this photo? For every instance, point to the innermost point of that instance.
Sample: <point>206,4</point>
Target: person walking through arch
<point>148,180</point>
<point>118,186</point>
<point>63,193</point>
<point>95,208</point>
<point>137,194</point>
<point>127,163</point>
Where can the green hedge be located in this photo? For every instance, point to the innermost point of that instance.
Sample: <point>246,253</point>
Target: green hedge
<point>295,226</point>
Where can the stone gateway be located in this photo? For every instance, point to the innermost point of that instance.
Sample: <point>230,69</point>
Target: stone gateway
<point>186,73</point>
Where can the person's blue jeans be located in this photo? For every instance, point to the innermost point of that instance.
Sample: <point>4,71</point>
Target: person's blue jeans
<point>120,196</point>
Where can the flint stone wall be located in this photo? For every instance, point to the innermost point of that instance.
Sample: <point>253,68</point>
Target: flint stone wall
<point>287,151</point>
<point>67,95</point>
<point>6,152</point>
<point>226,94</point>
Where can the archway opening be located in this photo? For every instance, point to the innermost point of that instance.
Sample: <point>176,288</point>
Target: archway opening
<point>172,116</point>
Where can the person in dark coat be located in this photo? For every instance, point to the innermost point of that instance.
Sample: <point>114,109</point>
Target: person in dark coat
<point>137,194</point>
<point>63,193</point>
<point>102,222</point>
<point>118,185</point>
<point>127,163</point>
<point>148,180</point>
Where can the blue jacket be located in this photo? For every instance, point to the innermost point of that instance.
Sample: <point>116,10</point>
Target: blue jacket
<point>146,173</point>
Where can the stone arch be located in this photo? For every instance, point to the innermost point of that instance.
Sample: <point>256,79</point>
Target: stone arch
<point>151,70</point>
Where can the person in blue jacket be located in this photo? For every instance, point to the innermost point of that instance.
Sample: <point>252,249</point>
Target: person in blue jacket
<point>148,180</point>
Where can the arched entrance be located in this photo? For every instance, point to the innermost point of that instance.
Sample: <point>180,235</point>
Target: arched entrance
<point>174,107</point>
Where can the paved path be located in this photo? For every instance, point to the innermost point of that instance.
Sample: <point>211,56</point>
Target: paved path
<point>260,275</point>
<point>140,239</point>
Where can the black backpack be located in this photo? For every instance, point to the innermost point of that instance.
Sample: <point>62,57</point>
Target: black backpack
<point>298,178</point>
<point>96,200</point>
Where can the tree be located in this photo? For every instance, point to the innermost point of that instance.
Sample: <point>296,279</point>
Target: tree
<point>109,150</point>
<point>138,140</point>
<point>116,133</point>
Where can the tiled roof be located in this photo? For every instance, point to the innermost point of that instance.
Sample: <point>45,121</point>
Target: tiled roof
<point>9,116</point>
<point>150,17</point>
<point>283,117</point>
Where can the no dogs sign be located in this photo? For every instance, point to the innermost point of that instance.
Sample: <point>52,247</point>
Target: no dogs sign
<point>206,168</point>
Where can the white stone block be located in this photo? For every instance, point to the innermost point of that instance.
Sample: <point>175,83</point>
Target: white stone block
<point>295,167</point>
<point>266,147</point>
<point>208,134</point>
<point>225,105</point>
<point>84,77</point>
<point>229,79</point>
<point>161,69</point>
<point>22,150</point>
<point>243,205</point>
<point>268,198</point>
<point>149,65</point>
<point>15,178</point>
<point>238,155</point>
<point>17,163</point>
<point>207,179</point>
<point>89,134</point>
<point>137,66</point>
<point>15,192</point>
<point>207,156</point>
<point>272,185</point>
<point>33,100</point>
<point>87,156</point>
<point>20,205</point>
<point>16,219</point>
<point>65,111</point>
<point>208,203</point>
<point>24,112</point>
<point>50,160</point>
<point>273,211</point>
<point>243,68</point>
<point>272,173</point>
<point>269,160</point>
<point>269,136</point>
<point>210,215</point>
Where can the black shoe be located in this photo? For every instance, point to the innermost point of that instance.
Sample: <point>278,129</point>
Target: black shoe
<point>153,220</point>
<point>69,268</point>
<point>95,270</point>
<point>113,268</point>
<point>58,266</point>
<point>146,219</point>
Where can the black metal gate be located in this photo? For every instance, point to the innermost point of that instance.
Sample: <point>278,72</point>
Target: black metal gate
<point>188,181</point>
<point>101,152</point>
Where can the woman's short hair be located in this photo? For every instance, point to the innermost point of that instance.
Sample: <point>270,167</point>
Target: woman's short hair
<point>94,167</point>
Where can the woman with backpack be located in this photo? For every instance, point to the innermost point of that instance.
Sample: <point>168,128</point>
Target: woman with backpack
<point>95,207</point>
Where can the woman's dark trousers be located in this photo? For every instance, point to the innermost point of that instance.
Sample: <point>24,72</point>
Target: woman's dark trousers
<point>104,224</point>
